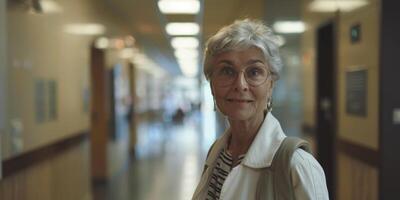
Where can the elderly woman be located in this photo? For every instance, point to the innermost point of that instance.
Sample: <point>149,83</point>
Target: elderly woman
<point>253,159</point>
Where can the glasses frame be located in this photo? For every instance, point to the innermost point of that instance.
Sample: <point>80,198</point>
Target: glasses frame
<point>269,75</point>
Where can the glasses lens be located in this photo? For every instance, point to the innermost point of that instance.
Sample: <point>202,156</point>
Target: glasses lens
<point>224,76</point>
<point>256,75</point>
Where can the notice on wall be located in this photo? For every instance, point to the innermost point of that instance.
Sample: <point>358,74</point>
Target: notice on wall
<point>46,102</point>
<point>356,92</point>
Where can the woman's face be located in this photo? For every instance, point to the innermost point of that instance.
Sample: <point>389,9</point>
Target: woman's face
<point>240,100</point>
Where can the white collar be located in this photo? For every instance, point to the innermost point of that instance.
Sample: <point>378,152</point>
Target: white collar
<point>265,144</point>
<point>262,150</point>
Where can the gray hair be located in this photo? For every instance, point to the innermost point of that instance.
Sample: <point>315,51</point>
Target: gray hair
<point>243,34</point>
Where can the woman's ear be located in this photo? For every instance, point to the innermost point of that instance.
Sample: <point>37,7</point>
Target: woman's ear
<point>212,89</point>
<point>272,84</point>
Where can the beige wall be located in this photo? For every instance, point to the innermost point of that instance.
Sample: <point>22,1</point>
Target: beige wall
<point>363,131</point>
<point>355,179</point>
<point>353,174</point>
<point>365,54</point>
<point>39,49</point>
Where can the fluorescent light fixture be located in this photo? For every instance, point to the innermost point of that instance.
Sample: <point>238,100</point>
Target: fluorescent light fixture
<point>186,53</point>
<point>179,6</point>
<point>289,27</point>
<point>84,29</point>
<point>182,28</point>
<point>185,42</point>
<point>189,67</point>
<point>334,5</point>
<point>102,43</point>
<point>49,6</point>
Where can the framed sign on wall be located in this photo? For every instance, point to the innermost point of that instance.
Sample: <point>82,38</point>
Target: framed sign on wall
<point>356,92</point>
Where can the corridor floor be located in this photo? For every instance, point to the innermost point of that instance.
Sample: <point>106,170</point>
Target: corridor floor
<point>167,164</point>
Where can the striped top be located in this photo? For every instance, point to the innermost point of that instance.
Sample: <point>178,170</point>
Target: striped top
<point>220,172</point>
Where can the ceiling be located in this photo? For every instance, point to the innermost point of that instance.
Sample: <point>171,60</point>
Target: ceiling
<point>147,23</point>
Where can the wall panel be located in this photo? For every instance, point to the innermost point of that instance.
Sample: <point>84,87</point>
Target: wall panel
<point>63,177</point>
<point>357,179</point>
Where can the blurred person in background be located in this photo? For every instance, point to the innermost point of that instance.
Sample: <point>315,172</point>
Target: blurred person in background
<point>253,159</point>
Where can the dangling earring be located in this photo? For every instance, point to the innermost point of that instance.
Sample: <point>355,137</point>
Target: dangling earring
<point>215,106</point>
<point>269,105</point>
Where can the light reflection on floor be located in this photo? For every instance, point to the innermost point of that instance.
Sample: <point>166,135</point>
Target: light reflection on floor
<point>168,162</point>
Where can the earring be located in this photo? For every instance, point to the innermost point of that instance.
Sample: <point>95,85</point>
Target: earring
<point>269,105</point>
<point>215,106</point>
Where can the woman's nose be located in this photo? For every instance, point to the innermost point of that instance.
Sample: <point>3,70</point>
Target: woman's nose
<point>241,82</point>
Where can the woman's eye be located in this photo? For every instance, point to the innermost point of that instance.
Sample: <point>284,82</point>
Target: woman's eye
<point>255,71</point>
<point>227,71</point>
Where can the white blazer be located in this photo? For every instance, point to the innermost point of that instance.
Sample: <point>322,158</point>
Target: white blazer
<point>307,175</point>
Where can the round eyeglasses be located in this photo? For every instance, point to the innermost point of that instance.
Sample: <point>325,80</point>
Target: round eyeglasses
<point>226,75</point>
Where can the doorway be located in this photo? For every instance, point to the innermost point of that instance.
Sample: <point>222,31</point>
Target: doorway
<point>326,102</point>
<point>99,115</point>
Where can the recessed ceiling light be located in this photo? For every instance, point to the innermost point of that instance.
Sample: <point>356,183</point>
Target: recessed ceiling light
<point>186,53</point>
<point>179,6</point>
<point>184,42</point>
<point>334,5</point>
<point>289,27</point>
<point>184,28</point>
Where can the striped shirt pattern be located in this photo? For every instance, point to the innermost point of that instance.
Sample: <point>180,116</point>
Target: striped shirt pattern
<point>220,172</point>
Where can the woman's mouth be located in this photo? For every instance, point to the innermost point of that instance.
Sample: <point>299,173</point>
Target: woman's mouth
<point>239,100</point>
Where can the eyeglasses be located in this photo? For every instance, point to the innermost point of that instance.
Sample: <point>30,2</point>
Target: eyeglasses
<point>226,75</point>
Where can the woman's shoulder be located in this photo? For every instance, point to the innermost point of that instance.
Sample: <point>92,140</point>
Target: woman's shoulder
<point>303,160</point>
<point>308,176</point>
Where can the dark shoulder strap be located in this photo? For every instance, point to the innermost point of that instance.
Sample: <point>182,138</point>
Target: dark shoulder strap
<point>281,166</point>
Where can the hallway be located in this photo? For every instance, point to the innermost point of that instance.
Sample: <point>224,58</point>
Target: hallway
<point>92,94</point>
<point>167,163</point>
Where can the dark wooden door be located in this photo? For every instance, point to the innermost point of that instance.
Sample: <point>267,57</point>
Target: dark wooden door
<point>326,102</point>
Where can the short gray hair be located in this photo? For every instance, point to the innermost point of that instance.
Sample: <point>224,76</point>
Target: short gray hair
<point>243,34</point>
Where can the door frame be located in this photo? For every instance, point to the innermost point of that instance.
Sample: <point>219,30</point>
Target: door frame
<point>99,117</point>
<point>326,101</point>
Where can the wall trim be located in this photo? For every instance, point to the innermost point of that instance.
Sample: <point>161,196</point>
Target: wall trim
<point>365,154</point>
<point>30,158</point>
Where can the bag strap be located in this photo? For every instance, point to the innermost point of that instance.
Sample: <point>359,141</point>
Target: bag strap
<point>280,167</point>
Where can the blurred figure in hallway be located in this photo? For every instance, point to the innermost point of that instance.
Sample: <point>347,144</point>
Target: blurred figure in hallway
<point>253,158</point>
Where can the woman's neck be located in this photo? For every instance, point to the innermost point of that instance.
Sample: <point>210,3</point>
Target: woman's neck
<point>243,134</point>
